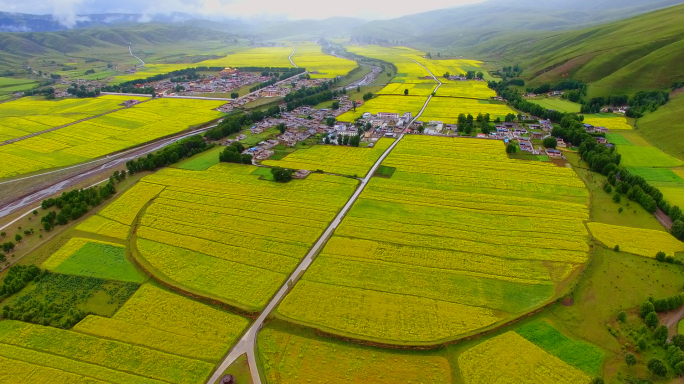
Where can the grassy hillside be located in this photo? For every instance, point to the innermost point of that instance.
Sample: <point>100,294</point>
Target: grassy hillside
<point>17,48</point>
<point>664,128</point>
<point>644,52</point>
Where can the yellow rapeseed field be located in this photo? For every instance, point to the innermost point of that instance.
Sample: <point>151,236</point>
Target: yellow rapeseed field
<point>644,242</point>
<point>310,56</point>
<point>466,89</point>
<point>126,208</point>
<point>289,358</point>
<point>104,226</point>
<point>441,250</point>
<point>32,114</point>
<point>447,109</point>
<point>105,134</point>
<point>161,320</point>
<point>510,358</point>
<point>612,123</point>
<point>334,159</point>
<point>225,224</point>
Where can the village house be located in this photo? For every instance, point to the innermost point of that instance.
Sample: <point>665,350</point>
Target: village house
<point>554,153</point>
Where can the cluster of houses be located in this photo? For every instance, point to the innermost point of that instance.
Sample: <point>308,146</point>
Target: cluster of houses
<point>226,81</point>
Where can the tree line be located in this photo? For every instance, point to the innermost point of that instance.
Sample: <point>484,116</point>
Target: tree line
<point>170,154</point>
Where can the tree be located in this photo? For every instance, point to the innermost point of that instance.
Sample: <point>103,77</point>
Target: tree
<point>660,256</point>
<point>354,105</point>
<point>345,141</point>
<point>657,367</point>
<point>678,229</point>
<point>330,121</point>
<point>17,237</point>
<point>622,316</point>
<point>630,359</point>
<point>511,148</point>
<point>678,340</point>
<point>651,320</point>
<point>358,88</point>
<point>550,142</point>
<point>355,141</point>
<point>327,140</point>
<point>660,334</point>
<point>597,380</point>
<point>282,127</point>
<point>234,95</point>
<point>616,248</point>
<point>645,308</point>
<point>281,175</point>
<point>406,92</point>
<point>617,198</point>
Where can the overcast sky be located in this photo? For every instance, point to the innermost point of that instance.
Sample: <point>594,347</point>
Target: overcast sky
<point>294,9</point>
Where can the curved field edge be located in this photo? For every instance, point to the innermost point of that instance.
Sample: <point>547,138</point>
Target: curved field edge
<point>562,289</point>
<point>136,257</point>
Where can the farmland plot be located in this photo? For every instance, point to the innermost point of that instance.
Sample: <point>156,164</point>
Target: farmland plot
<point>105,134</point>
<point>334,159</point>
<point>441,250</point>
<point>466,89</point>
<point>311,57</point>
<point>447,109</point>
<point>610,122</point>
<point>510,358</point>
<point>408,71</point>
<point>639,241</point>
<point>30,114</point>
<point>224,224</point>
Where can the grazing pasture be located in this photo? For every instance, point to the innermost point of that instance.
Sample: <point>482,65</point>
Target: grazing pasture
<point>633,156</point>
<point>402,262</point>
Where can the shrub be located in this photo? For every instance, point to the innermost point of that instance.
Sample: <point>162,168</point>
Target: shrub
<point>651,320</point>
<point>660,334</point>
<point>617,198</point>
<point>660,256</point>
<point>617,248</point>
<point>657,367</point>
<point>630,359</point>
<point>622,316</point>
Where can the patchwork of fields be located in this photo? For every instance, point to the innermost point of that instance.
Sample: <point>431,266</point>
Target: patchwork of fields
<point>29,114</point>
<point>389,104</point>
<point>334,159</point>
<point>252,57</point>
<point>206,228</point>
<point>106,134</point>
<point>408,71</point>
<point>400,267</point>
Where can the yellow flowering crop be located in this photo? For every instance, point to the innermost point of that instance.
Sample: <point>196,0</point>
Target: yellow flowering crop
<point>510,358</point>
<point>612,123</point>
<point>644,242</point>
<point>104,226</point>
<point>334,159</point>
<point>125,208</point>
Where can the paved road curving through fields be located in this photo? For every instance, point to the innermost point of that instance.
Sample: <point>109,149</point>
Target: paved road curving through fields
<point>131,52</point>
<point>290,57</point>
<point>247,344</point>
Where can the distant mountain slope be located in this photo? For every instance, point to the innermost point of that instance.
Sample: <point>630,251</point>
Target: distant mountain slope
<point>464,26</point>
<point>18,47</point>
<point>644,52</point>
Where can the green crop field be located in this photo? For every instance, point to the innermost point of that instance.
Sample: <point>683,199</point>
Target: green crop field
<point>559,105</point>
<point>633,156</point>
<point>94,259</point>
<point>202,161</point>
